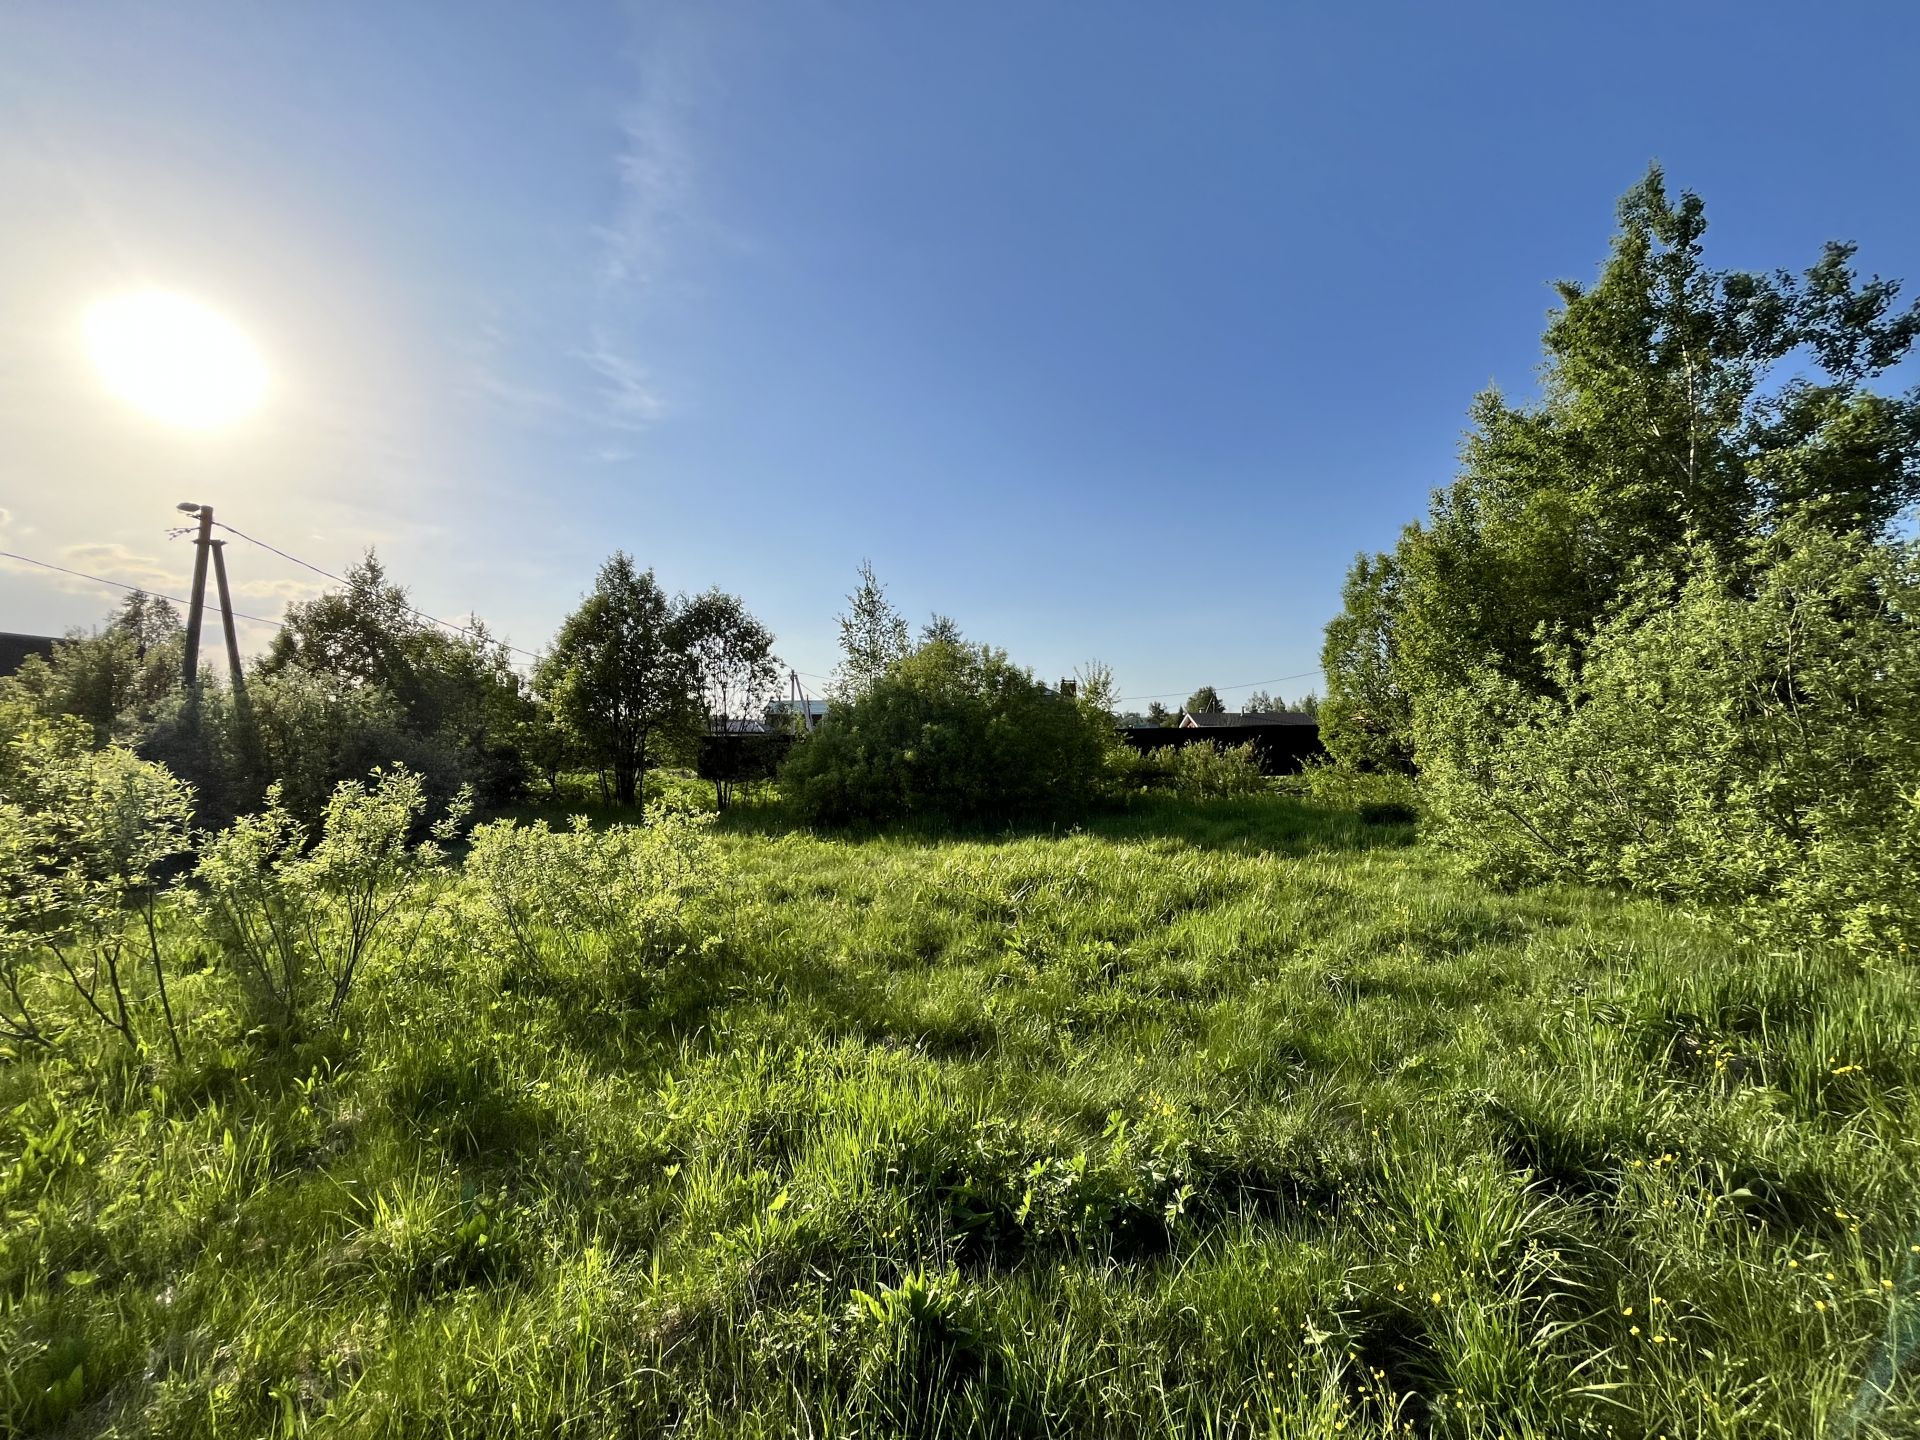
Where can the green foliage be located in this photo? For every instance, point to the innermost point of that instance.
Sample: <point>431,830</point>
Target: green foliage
<point>314,731</point>
<point>741,761</point>
<point>1749,737</point>
<point>602,908</point>
<point>356,678</point>
<point>939,629</point>
<point>1378,796</point>
<point>874,637</point>
<point>1096,688</point>
<point>1673,404</point>
<point>1235,1119</point>
<point>951,731</point>
<point>1367,723</point>
<point>736,672</point>
<point>1211,771</point>
<point>295,925</point>
<point>85,837</point>
<point>1205,701</point>
<point>117,679</point>
<point>731,653</point>
<point>619,676</point>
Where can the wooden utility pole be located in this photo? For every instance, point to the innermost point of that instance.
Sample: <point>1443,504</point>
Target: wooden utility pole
<point>197,601</point>
<point>234,672</point>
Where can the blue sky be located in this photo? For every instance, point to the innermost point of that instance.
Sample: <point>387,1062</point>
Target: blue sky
<point>1112,330</point>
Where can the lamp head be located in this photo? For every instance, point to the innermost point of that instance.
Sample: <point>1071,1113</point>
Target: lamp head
<point>188,507</point>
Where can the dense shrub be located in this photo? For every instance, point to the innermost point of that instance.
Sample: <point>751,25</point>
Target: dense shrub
<point>85,837</point>
<point>585,905</point>
<point>1204,770</point>
<point>1381,797</point>
<point>296,926</point>
<point>954,731</point>
<point>1211,771</point>
<point>1750,736</point>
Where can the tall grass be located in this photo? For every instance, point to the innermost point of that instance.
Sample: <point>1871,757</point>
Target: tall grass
<point>1244,1118</point>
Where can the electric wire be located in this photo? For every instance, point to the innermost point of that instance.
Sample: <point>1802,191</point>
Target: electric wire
<point>131,589</point>
<point>1221,689</point>
<point>342,580</point>
<point>516,649</point>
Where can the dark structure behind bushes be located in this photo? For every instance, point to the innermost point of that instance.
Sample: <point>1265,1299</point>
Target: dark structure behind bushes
<point>16,648</point>
<point>1284,749</point>
<point>742,756</point>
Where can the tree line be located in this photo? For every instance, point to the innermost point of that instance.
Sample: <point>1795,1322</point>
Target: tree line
<point>356,679</point>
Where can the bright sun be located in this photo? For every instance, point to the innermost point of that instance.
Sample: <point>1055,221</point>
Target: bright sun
<point>175,358</point>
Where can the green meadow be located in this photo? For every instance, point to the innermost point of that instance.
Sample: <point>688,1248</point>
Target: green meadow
<point>1230,1118</point>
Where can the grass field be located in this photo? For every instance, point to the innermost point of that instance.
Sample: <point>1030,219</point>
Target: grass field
<point>1243,1118</point>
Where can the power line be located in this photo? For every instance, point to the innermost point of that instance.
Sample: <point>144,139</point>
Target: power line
<point>1169,694</point>
<point>122,585</point>
<point>342,580</point>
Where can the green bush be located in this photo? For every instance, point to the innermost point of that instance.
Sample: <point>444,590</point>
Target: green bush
<point>1211,771</point>
<point>86,838</point>
<point>296,926</point>
<point>603,907</point>
<point>1382,797</point>
<point>952,731</point>
<point>1749,737</point>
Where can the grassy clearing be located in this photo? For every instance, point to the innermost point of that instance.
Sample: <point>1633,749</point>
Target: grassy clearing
<point>1238,1119</point>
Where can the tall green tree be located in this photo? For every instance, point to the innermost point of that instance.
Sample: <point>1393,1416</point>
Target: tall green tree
<point>456,704</point>
<point>1206,701</point>
<point>731,654</point>
<point>618,676</point>
<point>119,678</point>
<point>873,637</point>
<point>1678,404</point>
<point>941,629</point>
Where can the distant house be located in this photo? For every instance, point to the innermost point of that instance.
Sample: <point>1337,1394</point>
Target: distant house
<point>780,713</point>
<point>1250,720</point>
<point>15,648</point>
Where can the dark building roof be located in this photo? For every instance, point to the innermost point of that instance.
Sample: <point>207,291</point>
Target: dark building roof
<point>15,648</point>
<point>1228,720</point>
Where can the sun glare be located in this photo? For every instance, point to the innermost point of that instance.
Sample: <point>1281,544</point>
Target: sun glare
<point>175,358</point>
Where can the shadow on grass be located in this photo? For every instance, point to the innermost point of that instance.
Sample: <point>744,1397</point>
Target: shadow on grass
<point>1281,824</point>
<point>1278,822</point>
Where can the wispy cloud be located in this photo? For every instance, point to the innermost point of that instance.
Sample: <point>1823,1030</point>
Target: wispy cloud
<point>626,389</point>
<point>109,561</point>
<point>525,365</point>
<point>613,391</point>
<point>283,592</point>
<point>114,561</point>
<point>656,173</point>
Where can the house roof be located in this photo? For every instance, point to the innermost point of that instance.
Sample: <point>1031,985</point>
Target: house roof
<point>15,648</point>
<point>1247,721</point>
